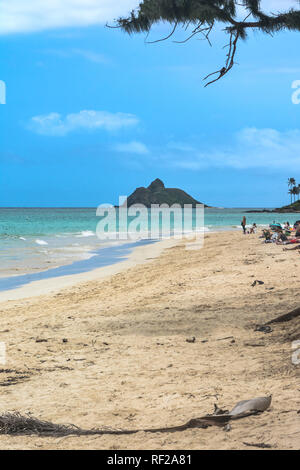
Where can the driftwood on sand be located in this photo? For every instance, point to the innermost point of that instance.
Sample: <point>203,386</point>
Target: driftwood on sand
<point>286,317</point>
<point>17,424</point>
<point>292,333</point>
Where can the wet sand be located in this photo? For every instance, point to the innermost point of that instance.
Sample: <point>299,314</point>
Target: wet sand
<point>126,362</point>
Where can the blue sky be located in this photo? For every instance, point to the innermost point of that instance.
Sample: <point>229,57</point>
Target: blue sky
<point>91,113</point>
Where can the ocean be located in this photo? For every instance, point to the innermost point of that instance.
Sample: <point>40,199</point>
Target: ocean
<point>33,240</point>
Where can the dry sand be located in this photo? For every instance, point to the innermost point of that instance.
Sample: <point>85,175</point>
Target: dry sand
<point>126,363</point>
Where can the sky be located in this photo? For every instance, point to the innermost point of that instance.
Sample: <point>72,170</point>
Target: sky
<point>92,113</point>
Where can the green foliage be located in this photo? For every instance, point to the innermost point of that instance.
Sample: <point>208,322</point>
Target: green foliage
<point>294,207</point>
<point>177,11</point>
<point>202,15</point>
<point>294,189</point>
<point>208,12</point>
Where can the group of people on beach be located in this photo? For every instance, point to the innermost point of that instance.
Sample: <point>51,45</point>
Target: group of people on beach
<point>285,234</point>
<point>251,230</point>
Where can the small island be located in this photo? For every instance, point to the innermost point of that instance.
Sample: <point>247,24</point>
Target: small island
<point>294,190</point>
<point>294,207</point>
<point>157,193</point>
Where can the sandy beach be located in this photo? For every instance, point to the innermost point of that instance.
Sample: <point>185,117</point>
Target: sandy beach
<point>109,348</point>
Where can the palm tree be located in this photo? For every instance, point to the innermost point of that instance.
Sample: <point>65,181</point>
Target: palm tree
<point>291,183</point>
<point>294,192</point>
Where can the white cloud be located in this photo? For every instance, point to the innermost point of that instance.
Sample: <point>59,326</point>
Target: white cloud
<point>18,16</point>
<point>132,147</point>
<point>91,56</point>
<point>55,124</point>
<point>249,148</point>
<point>86,54</point>
<point>180,146</point>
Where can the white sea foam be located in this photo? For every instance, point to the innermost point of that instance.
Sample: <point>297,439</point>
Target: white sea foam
<point>86,233</point>
<point>22,238</point>
<point>41,242</point>
<point>74,249</point>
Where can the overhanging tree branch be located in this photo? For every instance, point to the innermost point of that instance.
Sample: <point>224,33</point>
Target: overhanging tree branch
<point>203,15</point>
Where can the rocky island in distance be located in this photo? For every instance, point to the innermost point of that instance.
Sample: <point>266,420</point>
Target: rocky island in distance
<point>157,193</point>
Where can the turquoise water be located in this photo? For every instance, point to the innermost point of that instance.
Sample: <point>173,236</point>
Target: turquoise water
<point>103,257</point>
<point>33,240</point>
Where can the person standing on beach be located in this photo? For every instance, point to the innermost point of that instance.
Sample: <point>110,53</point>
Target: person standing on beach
<point>243,224</point>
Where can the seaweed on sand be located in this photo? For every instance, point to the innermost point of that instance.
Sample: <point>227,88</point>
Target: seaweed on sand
<point>17,424</point>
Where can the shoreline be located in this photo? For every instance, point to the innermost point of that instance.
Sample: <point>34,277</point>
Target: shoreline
<point>48,285</point>
<point>91,254</point>
<point>132,255</point>
<point>24,253</point>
